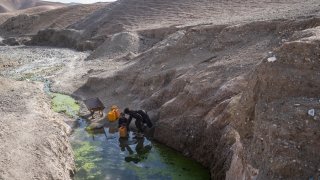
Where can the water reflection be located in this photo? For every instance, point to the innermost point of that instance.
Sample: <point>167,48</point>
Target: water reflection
<point>102,154</point>
<point>142,150</point>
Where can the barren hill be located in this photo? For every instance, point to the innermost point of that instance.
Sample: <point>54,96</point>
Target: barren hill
<point>60,18</point>
<point>11,8</point>
<point>156,19</point>
<point>136,14</point>
<point>13,5</point>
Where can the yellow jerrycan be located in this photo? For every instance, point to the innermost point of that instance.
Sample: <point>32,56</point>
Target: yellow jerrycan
<point>123,132</point>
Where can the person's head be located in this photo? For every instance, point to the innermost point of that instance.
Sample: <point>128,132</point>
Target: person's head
<point>126,111</point>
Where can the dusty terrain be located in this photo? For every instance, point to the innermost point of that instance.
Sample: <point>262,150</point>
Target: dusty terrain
<point>11,8</point>
<point>34,140</point>
<point>13,5</point>
<point>228,83</point>
<point>30,21</point>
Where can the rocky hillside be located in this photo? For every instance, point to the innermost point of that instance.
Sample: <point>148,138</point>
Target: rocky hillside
<point>132,15</point>
<point>226,93</point>
<point>135,15</point>
<point>11,8</point>
<point>26,24</point>
<point>13,5</point>
<point>230,97</point>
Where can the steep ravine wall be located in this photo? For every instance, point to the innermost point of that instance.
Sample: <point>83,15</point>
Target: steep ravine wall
<point>207,89</point>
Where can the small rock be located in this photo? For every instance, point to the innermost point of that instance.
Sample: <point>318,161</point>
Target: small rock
<point>311,112</point>
<point>272,59</point>
<point>297,104</point>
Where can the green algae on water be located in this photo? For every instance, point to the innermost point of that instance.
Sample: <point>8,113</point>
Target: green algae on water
<point>65,104</point>
<point>102,155</point>
<point>174,166</point>
<point>87,160</point>
<point>179,166</point>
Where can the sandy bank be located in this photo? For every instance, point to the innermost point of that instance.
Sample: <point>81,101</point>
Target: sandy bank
<point>31,135</point>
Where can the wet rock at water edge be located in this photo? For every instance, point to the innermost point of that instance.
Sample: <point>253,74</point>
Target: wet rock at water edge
<point>11,41</point>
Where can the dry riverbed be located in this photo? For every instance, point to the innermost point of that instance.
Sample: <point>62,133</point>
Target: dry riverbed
<point>32,135</point>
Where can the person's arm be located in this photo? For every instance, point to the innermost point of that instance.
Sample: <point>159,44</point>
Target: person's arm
<point>129,121</point>
<point>120,122</point>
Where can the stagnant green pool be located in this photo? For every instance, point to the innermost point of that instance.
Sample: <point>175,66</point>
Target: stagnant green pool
<point>102,154</point>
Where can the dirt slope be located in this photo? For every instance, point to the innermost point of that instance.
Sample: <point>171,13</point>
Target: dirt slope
<point>11,8</point>
<point>60,18</point>
<point>13,5</point>
<point>135,14</point>
<point>215,97</point>
<point>34,141</point>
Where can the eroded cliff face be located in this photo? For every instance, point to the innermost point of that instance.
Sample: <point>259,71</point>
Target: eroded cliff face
<point>235,98</point>
<point>284,137</point>
<point>261,129</point>
<point>34,139</point>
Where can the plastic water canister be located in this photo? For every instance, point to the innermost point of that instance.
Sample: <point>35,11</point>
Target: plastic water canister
<point>112,116</point>
<point>123,132</point>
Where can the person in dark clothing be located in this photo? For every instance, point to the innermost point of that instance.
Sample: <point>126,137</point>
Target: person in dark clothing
<point>137,117</point>
<point>146,118</point>
<point>141,118</point>
<point>123,121</point>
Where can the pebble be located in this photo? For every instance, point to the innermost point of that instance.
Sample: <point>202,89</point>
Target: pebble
<point>272,59</point>
<point>311,112</point>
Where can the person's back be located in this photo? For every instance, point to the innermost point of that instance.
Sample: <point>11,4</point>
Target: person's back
<point>146,118</point>
<point>137,117</point>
